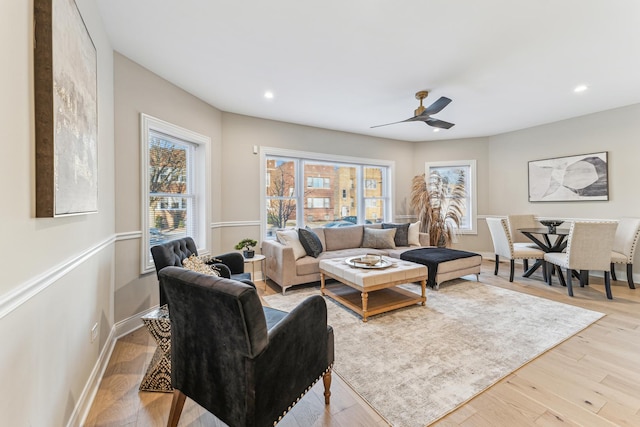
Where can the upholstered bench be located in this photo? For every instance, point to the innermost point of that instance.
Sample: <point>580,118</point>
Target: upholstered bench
<point>444,264</point>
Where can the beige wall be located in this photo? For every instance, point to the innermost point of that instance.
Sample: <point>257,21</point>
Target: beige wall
<point>57,278</point>
<point>503,164</point>
<point>241,168</point>
<point>139,91</point>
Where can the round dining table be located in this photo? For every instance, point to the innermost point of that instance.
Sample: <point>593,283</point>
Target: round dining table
<point>558,245</point>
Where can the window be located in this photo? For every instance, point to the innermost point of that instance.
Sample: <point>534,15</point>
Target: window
<point>318,182</point>
<point>312,189</point>
<point>451,172</point>
<point>318,202</point>
<point>174,186</point>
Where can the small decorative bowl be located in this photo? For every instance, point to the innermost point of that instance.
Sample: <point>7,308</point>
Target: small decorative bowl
<point>551,224</point>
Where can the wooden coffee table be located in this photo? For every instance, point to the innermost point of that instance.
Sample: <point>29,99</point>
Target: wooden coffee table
<point>378,291</point>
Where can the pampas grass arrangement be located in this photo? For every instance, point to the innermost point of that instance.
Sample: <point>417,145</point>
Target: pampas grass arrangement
<point>439,205</point>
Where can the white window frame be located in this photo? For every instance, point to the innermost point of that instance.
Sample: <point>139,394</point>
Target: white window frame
<point>201,173</point>
<point>470,187</point>
<point>311,156</point>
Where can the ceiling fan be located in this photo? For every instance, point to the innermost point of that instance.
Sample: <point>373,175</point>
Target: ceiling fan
<point>423,114</point>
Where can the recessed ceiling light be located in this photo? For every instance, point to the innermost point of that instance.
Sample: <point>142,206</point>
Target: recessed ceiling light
<point>436,130</point>
<point>580,88</point>
<point>268,94</point>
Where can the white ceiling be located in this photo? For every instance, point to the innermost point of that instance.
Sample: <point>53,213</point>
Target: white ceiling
<point>351,64</point>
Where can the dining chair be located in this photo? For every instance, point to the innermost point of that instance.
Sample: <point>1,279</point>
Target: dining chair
<point>522,221</point>
<point>503,246</point>
<point>589,247</point>
<point>624,247</point>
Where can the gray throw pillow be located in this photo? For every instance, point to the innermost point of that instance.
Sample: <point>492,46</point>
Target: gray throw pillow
<point>402,233</point>
<point>310,242</point>
<point>379,238</point>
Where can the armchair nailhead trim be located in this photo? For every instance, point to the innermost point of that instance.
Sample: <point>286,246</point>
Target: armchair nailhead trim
<point>298,399</point>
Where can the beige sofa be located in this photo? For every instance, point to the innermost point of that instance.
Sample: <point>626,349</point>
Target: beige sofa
<point>283,268</point>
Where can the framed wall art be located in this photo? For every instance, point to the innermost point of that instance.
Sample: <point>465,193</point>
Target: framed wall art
<point>66,111</point>
<point>573,178</point>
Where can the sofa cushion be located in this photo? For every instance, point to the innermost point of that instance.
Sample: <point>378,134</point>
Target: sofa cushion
<point>343,237</point>
<point>413,234</point>
<point>402,233</point>
<point>310,242</point>
<point>320,233</point>
<point>379,239</point>
<point>290,238</point>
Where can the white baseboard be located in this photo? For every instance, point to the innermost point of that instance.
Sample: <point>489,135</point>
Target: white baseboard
<point>81,411</point>
<point>124,327</point>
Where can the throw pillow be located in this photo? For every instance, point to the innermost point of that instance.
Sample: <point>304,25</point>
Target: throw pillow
<point>413,236</point>
<point>196,264</point>
<point>379,238</point>
<point>290,238</point>
<point>310,241</point>
<point>402,233</point>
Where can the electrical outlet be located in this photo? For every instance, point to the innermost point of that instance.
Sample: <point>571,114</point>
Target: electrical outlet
<point>94,332</point>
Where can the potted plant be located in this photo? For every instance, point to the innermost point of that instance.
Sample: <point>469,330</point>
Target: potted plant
<point>439,205</point>
<point>247,245</point>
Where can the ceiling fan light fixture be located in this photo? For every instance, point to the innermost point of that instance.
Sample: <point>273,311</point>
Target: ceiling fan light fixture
<point>436,129</point>
<point>580,88</point>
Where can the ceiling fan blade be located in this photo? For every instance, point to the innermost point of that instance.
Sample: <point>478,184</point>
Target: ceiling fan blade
<point>401,121</point>
<point>436,107</point>
<point>438,123</point>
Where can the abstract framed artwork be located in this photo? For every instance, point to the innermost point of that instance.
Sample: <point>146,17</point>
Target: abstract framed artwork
<point>66,111</point>
<point>572,178</point>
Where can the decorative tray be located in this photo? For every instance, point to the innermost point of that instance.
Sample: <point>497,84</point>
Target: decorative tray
<point>368,261</point>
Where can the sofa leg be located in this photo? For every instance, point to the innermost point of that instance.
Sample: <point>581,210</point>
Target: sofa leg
<point>176,408</point>
<point>326,379</point>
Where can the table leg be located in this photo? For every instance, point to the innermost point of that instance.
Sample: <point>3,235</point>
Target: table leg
<point>423,287</point>
<point>322,283</point>
<point>365,300</point>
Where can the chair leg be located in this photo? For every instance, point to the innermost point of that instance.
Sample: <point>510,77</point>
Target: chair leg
<point>176,408</point>
<point>607,285</point>
<point>569,286</point>
<point>613,271</point>
<point>544,270</point>
<point>512,265</point>
<point>549,278</point>
<point>561,276</point>
<point>629,276</point>
<point>495,272</point>
<point>525,264</point>
<point>326,379</point>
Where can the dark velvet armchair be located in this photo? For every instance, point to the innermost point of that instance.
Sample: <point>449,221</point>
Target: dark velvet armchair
<point>172,253</point>
<point>246,364</point>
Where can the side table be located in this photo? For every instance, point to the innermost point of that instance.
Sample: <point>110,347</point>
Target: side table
<point>256,258</point>
<point>158,376</point>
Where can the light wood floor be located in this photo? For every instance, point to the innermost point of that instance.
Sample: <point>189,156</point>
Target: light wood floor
<point>592,379</point>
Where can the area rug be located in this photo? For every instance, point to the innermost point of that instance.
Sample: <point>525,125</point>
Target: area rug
<point>417,364</point>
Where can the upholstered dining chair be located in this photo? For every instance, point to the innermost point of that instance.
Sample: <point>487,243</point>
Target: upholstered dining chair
<point>503,246</point>
<point>172,253</point>
<point>589,247</point>
<point>519,240</point>
<point>245,363</point>
<point>624,247</point>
